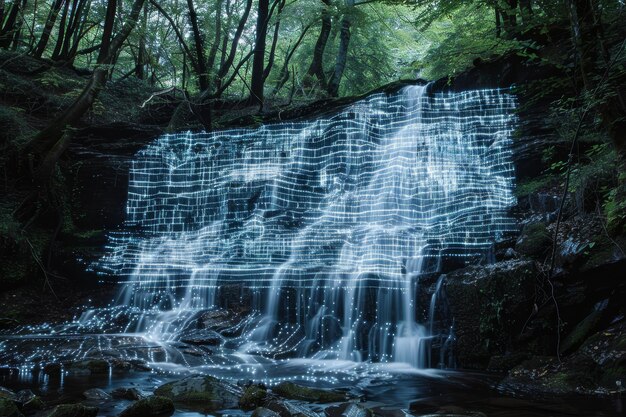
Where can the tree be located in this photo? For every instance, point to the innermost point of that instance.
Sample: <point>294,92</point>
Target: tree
<point>44,150</point>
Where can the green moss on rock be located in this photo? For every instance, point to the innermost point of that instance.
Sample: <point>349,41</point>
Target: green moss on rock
<point>253,397</point>
<point>298,392</point>
<point>9,409</point>
<point>74,410</point>
<point>200,392</point>
<point>534,239</point>
<point>148,407</point>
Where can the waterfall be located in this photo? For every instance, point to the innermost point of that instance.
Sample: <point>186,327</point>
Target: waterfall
<point>332,222</point>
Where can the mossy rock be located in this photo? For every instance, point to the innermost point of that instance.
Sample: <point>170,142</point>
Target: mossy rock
<point>264,412</point>
<point>74,410</point>
<point>293,391</point>
<point>151,406</point>
<point>9,409</point>
<point>201,392</point>
<point>582,330</point>
<point>90,367</point>
<point>253,397</point>
<point>534,240</point>
<point>32,405</point>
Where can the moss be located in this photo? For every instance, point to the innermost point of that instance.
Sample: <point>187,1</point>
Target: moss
<point>73,410</point>
<point>8,408</point>
<point>151,406</point>
<point>534,239</point>
<point>298,392</point>
<point>531,186</point>
<point>253,397</point>
<point>205,392</point>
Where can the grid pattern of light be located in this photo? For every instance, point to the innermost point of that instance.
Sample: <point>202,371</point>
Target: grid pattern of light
<point>364,195</point>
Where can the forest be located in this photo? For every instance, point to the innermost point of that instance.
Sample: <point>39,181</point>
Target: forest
<point>368,208</point>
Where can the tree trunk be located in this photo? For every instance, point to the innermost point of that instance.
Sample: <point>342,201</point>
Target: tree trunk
<point>283,75</point>
<point>317,64</point>
<point>203,73</point>
<point>7,31</point>
<point>342,53</point>
<point>233,47</point>
<point>47,30</point>
<point>258,61</point>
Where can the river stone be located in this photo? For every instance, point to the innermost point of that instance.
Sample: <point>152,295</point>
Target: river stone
<point>132,394</point>
<point>253,397</point>
<point>148,407</point>
<point>73,410</point>
<point>9,409</point>
<point>203,392</point>
<point>96,394</point>
<point>264,412</point>
<point>293,391</point>
<point>347,410</point>
<point>24,396</point>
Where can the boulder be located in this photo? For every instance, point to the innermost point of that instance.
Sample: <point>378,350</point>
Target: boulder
<point>252,398</point>
<point>153,406</point>
<point>131,394</point>
<point>293,391</point>
<point>347,410</point>
<point>73,410</point>
<point>96,394</point>
<point>264,412</point>
<point>9,409</point>
<point>489,304</point>
<point>534,239</point>
<point>201,392</point>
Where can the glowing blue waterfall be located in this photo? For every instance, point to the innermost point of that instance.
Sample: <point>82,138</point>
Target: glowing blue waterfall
<point>331,222</point>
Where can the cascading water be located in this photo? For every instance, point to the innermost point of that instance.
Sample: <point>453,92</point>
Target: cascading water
<point>332,223</point>
<point>330,230</point>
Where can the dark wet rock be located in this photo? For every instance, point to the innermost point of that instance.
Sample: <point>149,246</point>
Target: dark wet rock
<point>534,239</point>
<point>24,396</point>
<point>88,367</point>
<point>153,406</point>
<point>489,304</point>
<point>96,394</point>
<point>298,392</point>
<point>73,410</point>
<point>7,393</point>
<point>120,365</point>
<point>503,363</point>
<point>202,337</point>
<point>597,367</point>
<point>9,409</point>
<point>140,365</point>
<point>348,410</point>
<point>132,394</point>
<point>253,397</point>
<point>584,328</point>
<point>33,405</point>
<point>264,412</point>
<point>382,411</point>
<point>278,407</point>
<point>201,392</point>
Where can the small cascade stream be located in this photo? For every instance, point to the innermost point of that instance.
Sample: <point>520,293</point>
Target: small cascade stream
<point>328,231</point>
